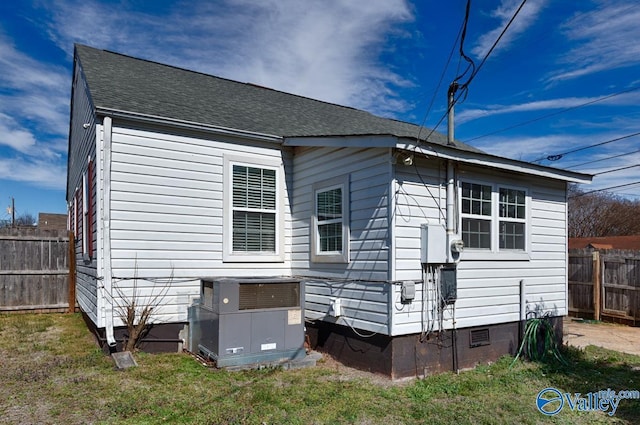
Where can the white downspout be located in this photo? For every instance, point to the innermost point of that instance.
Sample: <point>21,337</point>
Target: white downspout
<point>451,217</point>
<point>106,232</point>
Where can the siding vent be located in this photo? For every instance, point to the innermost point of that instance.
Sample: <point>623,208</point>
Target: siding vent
<point>479,337</point>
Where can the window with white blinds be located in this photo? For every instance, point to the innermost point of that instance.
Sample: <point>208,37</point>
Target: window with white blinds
<point>254,209</point>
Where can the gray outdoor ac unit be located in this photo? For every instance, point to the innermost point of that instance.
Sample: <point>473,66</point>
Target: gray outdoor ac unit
<point>242,321</point>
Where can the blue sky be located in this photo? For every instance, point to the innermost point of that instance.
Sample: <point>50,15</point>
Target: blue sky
<point>566,74</point>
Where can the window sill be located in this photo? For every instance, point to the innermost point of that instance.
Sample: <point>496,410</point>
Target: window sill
<point>479,255</point>
<point>330,258</point>
<point>252,258</point>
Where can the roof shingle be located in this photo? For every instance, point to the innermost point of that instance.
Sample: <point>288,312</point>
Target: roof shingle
<point>127,84</point>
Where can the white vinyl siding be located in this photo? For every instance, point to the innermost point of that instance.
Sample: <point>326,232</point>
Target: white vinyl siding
<point>488,287</point>
<point>364,304</point>
<point>368,170</point>
<point>168,212</point>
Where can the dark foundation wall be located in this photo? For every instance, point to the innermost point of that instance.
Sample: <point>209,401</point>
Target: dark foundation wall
<point>411,355</point>
<point>162,338</point>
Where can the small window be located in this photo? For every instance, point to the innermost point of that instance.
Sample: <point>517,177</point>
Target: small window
<point>330,221</point>
<point>512,205</point>
<point>476,215</point>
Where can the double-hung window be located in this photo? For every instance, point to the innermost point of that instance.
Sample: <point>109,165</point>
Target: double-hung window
<point>476,215</point>
<point>494,217</point>
<point>512,224</point>
<point>252,210</point>
<point>330,221</point>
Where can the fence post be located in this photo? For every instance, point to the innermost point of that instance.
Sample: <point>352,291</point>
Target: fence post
<point>72,273</point>
<point>596,285</point>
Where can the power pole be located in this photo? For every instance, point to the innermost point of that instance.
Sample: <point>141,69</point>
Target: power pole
<point>13,212</point>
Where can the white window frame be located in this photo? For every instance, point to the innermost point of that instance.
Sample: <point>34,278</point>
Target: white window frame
<point>343,255</point>
<point>229,255</point>
<point>495,252</point>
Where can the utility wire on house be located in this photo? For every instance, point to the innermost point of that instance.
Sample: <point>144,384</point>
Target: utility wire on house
<point>464,87</point>
<point>551,114</point>
<point>437,89</point>
<point>486,56</point>
<point>556,157</point>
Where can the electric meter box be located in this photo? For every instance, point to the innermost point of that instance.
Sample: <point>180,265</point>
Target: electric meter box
<point>243,321</point>
<point>433,243</point>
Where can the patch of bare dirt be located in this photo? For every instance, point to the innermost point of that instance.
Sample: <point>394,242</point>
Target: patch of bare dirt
<point>578,333</point>
<point>346,373</point>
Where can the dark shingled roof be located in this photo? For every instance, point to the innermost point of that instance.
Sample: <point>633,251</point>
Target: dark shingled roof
<point>127,84</point>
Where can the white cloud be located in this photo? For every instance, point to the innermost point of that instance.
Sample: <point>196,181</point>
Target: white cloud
<point>603,38</point>
<point>466,115</point>
<point>34,100</point>
<point>526,148</point>
<point>503,13</point>
<point>12,135</point>
<point>324,50</point>
<point>39,172</point>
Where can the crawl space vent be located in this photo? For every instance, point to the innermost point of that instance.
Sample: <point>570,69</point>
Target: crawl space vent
<point>479,337</point>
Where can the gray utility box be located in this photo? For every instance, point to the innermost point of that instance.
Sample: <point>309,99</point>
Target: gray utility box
<point>242,321</point>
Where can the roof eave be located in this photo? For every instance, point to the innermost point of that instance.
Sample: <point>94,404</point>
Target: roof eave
<point>191,125</point>
<point>344,141</point>
<point>488,160</point>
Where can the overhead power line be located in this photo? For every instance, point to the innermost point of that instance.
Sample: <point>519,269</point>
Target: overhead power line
<point>616,169</point>
<point>504,30</point>
<point>556,157</point>
<point>604,159</point>
<point>464,87</point>
<point>444,71</point>
<point>551,114</point>
<point>606,188</point>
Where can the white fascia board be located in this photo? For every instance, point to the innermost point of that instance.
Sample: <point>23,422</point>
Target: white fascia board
<point>361,141</point>
<point>493,161</point>
<point>192,125</point>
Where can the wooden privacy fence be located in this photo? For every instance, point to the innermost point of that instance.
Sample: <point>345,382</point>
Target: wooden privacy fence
<point>605,285</point>
<point>34,270</point>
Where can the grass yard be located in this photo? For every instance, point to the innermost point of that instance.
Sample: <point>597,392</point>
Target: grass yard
<point>52,372</point>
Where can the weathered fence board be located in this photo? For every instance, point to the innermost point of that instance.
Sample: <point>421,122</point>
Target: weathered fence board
<point>605,284</point>
<point>34,270</point>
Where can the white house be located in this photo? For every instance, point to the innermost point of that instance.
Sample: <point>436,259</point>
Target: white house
<point>175,176</point>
